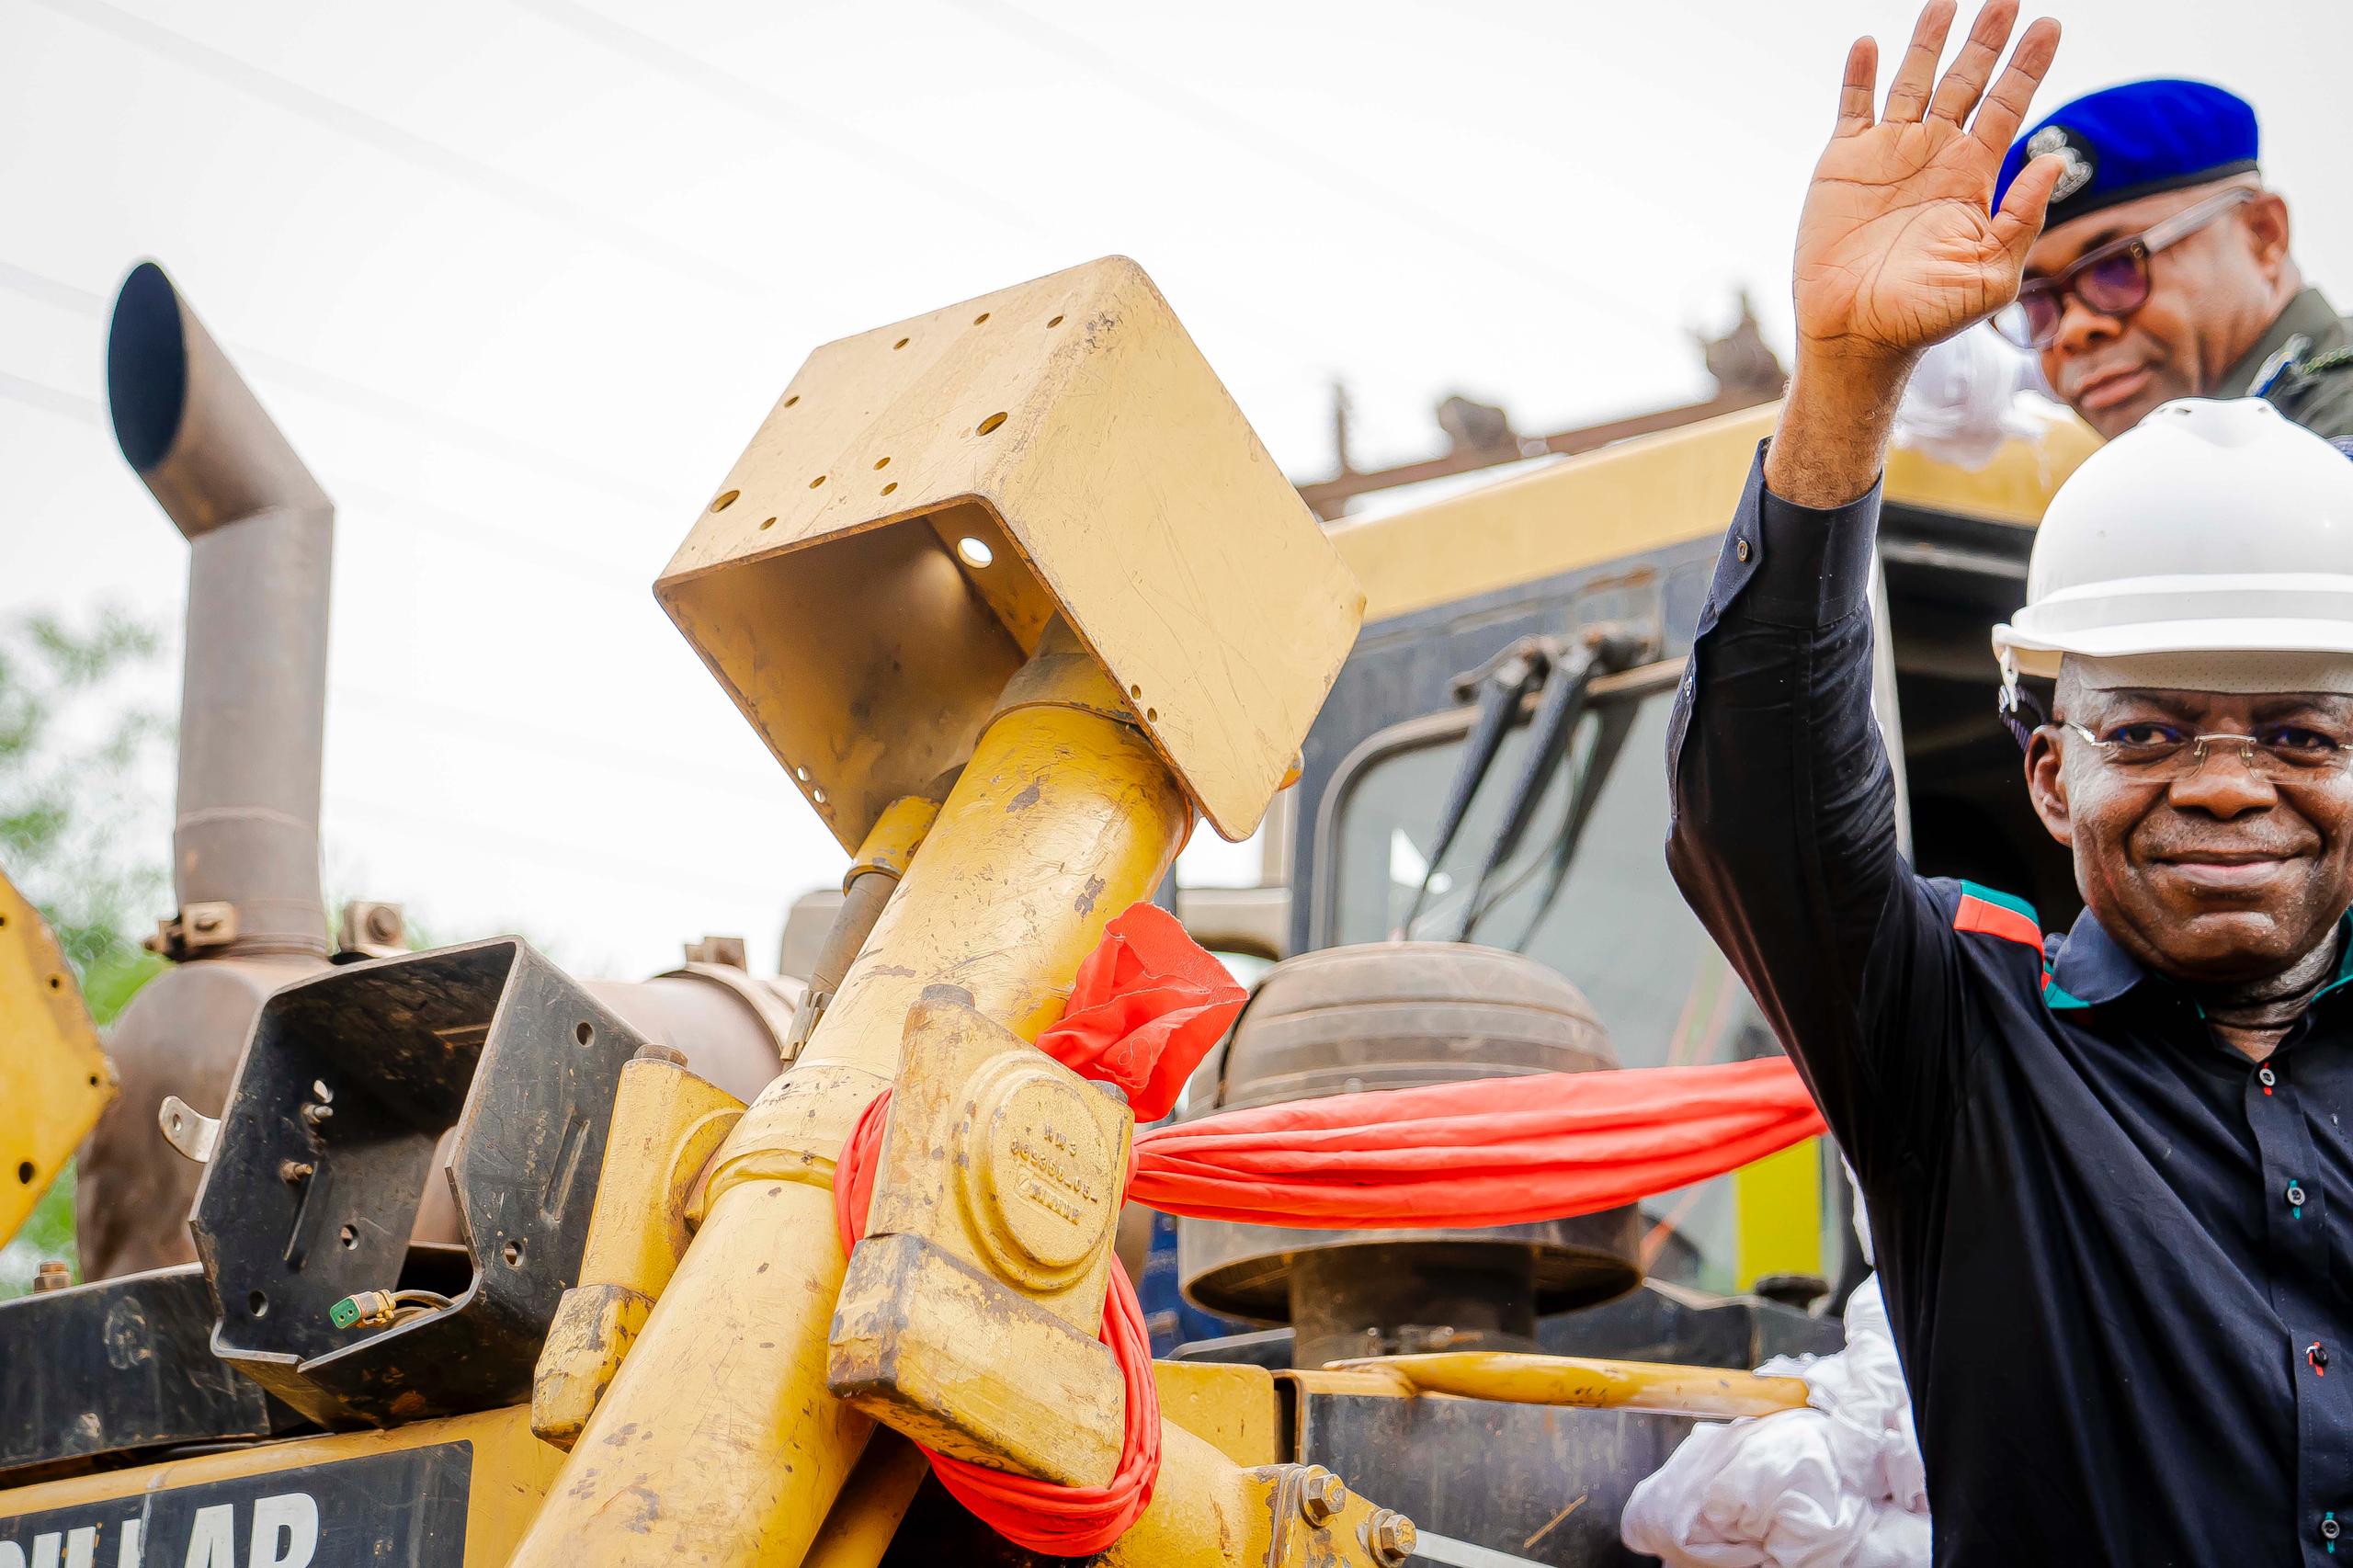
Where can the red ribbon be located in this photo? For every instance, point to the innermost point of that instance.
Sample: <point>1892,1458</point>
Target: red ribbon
<point>1147,1006</point>
<point>1144,1008</point>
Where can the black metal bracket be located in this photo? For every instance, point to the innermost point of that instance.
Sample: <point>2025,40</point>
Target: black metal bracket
<point>350,1081</point>
<point>119,1367</point>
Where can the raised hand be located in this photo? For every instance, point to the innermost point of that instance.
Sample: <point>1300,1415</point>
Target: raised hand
<point>1897,246</point>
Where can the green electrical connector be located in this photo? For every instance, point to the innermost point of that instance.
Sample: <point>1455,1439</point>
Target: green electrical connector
<point>366,1309</point>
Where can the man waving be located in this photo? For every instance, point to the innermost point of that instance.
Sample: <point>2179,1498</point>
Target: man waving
<point>2111,1185</point>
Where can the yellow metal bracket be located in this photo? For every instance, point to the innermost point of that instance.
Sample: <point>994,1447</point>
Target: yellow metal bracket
<point>1209,1513</point>
<point>926,496</point>
<point>969,1314</point>
<point>54,1077</point>
<point>666,1124</point>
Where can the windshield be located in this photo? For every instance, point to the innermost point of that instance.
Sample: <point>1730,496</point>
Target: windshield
<point>1618,928</point>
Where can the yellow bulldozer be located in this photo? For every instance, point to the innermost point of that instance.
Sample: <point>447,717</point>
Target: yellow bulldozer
<point>450,1258</point>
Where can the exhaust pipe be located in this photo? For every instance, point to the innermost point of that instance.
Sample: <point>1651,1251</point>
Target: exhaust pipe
<point>252,701</point>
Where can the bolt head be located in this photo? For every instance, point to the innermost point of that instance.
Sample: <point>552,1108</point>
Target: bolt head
<point>1322,1495</point>
<point>1391,1536</point>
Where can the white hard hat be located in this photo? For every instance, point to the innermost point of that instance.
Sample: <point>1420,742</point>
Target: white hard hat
<point>2210,526</point>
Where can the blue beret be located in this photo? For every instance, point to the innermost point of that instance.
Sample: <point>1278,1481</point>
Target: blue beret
<point>2125,142</point>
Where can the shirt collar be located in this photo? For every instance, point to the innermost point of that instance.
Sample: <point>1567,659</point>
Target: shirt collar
<point>2090,969</point>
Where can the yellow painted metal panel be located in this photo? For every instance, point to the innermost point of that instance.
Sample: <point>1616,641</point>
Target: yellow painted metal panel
<point>1071,429</point>
<point>1644,494</point>
<point>54,1078</point>
<point>1778,1207</point>
<point>2013,487</point>
<point>511,1473</point>
<point>1235,1409</point>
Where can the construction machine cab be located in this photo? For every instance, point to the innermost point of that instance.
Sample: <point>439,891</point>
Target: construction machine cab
<point>1624,541</point>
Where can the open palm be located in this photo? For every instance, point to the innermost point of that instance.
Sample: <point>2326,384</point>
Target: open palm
<point>1897,248</point>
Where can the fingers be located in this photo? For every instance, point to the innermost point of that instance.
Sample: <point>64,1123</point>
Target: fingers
<point>2020,219</point>
<point>1855,95</point>
<point>1907,95</point>
<point>1973,67</point>
<point>2005,105</point>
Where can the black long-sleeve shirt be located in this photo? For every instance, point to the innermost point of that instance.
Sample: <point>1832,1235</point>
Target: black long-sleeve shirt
<point>2117,1253</point>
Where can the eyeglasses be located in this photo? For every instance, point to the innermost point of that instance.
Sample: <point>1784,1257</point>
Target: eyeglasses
<point>2159,754</point>
<point>2112,280</point>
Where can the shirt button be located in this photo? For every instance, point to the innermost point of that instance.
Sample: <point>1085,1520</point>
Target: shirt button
<point>2295,1195</point>
<point>2329,1529</point>
<point>1740,549</point>
<point>2266,1077</point>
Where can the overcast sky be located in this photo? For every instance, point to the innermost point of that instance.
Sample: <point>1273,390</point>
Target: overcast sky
<point>520,277</point>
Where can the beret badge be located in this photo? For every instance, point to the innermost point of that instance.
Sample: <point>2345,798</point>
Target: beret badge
<point>2079,163</point>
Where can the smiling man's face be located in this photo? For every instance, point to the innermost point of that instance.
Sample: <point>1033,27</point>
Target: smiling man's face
<point>2220,877</point>
<point>2213,294</point>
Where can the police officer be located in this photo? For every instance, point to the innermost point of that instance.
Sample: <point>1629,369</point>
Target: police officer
<point>2164,271</point>
<point>2109,1176</point>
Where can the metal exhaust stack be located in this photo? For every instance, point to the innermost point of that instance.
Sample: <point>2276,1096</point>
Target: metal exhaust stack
<point>252,706</point>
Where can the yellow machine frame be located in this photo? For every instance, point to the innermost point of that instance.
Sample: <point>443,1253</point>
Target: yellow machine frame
<point>54,1076</point>
<point>1164,624</point>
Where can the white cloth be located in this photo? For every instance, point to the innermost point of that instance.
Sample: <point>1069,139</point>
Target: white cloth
<point>1963,401</point>
<point>1838,1484</point>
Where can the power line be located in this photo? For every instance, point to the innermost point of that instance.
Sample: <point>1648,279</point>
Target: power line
<point>458,527</point>
<point>648,52</point>
<point>39,395</point>
<point>512,730</point>
<point>403,144</point>
<point>600,863</point>
<point>451,718</point>
<point>651,53</point>
<point>515,451</point>
<point>1250,136</point>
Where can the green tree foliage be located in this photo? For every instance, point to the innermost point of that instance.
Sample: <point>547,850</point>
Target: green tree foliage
<point>84,779</point>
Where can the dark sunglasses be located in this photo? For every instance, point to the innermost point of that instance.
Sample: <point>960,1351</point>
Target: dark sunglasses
<point>2112,280</point>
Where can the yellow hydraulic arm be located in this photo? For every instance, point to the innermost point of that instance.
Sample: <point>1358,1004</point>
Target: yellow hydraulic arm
<point>54,1078</point>
<point>1030,543</point>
